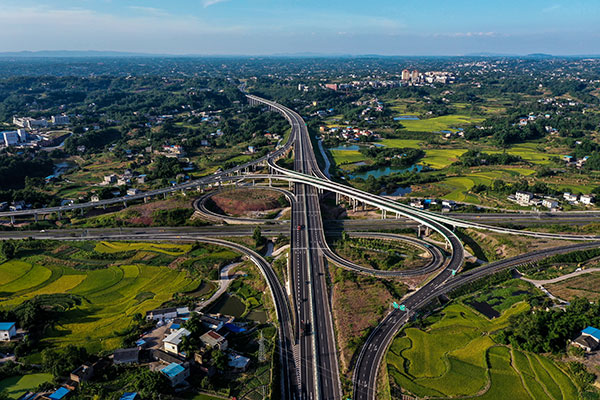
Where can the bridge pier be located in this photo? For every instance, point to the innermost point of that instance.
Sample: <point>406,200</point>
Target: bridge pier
<point>418,231</point>
<point>145,199</point>
<point>35,216</point>
<point>81,212</point>
<point>104,206</point>
<point>397,215</point>
<point>165,195</point>
<point>383,214</point>
<point>270,183</point>
<point>125,204</point>
<point>12,219</point>
<point>59,215</point>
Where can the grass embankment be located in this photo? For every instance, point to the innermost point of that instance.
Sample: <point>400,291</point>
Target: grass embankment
<point>359,303</point>
<point>457,356</point>
<point>114,280</point>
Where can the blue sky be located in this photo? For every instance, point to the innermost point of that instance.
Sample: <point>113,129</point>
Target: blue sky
<point>391,27</point>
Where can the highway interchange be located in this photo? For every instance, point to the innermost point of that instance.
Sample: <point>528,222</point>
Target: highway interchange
<point>308,351</point>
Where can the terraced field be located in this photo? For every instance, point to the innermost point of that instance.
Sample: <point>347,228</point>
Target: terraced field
<point>110,289</point>
<point>456,356</point>
<point>17,386</point>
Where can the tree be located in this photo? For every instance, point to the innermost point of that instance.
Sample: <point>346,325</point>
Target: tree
<point>220,360</point>
<point>257,236</point>
<point>7,249</point>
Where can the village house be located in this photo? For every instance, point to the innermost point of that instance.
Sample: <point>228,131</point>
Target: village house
<point>213,339</point>
<point>172,342</point>
<point>8,331</point>
<point>588,340</point>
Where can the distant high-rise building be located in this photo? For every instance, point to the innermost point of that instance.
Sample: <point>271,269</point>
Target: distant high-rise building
<point>405,75</point>
<point>415,76</point>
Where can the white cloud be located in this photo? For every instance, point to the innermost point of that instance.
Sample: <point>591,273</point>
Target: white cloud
<point>470,34</point>
<point>149,11</point>
<point>551,8</point>
<point>208,3</point>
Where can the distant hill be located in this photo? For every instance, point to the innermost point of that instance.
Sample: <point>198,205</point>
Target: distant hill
<point>73,54</point>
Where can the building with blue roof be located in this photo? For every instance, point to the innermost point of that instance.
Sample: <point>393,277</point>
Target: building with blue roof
<point>8,330</point>
<point>129,396</point>
<point>589,340</point>
<point>60,393</point>
<point>177,373</point>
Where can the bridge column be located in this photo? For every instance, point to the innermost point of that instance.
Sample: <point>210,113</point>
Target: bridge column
<point>12,219</point>
<point>145,199</point>
<point>397,215</point>
<point>59,215</point>
<point>354,204</point>
<point>125,204</point>
<point>165,195</point>
<point>418,231</point>
<point>81,212</point>
<point>383,214</point>
<point>337,198</point>
<point>426,231</point>
<point>270,182</point>
<point>104,206</point>
<point>35,216</point>
<point>253,182</point>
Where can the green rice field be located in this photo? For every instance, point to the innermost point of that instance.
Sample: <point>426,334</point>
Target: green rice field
<point>456,356</point>
<point>17,386</point>
<point>443,123</point>
<point>109,288</point>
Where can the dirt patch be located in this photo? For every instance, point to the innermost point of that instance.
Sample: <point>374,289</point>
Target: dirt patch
<point>586,285</point>
<point>244,202</point>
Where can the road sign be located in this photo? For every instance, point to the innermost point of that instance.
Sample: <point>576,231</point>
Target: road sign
<point>453,272</point>
<point>395,305</point>
<point>402,307</point>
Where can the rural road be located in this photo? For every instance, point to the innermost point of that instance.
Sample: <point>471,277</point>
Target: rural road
<point>224,281</point>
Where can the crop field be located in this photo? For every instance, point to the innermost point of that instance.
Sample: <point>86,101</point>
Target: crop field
<point>455,356</point>
<point>578,286</point>
<point>108,277</point>
<point>17,386</point>
<point>341,157</point>
<point>443,123</point>
<point>529,152</point>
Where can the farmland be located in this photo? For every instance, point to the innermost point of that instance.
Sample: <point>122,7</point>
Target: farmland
<point>455,355</point>
<point>443,123</point>
<point>109,278</point>
<point>16,386</point>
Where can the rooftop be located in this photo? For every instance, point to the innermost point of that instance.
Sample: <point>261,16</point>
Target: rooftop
<point>129,396</point>
<point>59,394</point>
<point>172,370</point>
<point>594,332</point>
<point>175,337</point>
<point>4,326</point>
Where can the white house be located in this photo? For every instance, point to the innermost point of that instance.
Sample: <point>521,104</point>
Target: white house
<point>8,330</point>
<point>572,198</point>
<point>550,203</point>
<point>586,199</point>
<point>523,197</point>
<point>172,342</point>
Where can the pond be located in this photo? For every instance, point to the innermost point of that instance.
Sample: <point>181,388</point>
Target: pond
<point>386,171</point>
<point>228,305</point>
<point>259,316</point>
<point>401,191</point>
<point>406,118</point>
<point>346,147</point>
<point>485,309</point>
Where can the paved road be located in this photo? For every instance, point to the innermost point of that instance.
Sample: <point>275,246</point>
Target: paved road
<point>224,282</point>
<point>372,353</point>
<point>543,282</point>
